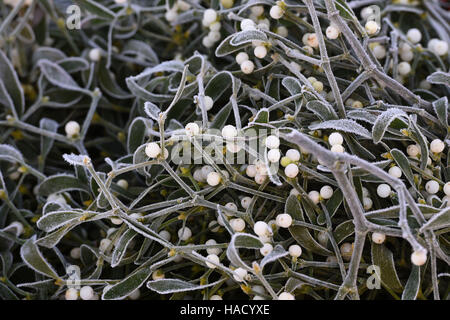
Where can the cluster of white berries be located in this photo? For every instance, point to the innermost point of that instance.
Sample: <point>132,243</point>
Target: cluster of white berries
<point>336,140</point>
<point>210,21</point>
<point>86,293</point>
<point>247,66</point>
<point>172,13</point>
<point>317,85</point>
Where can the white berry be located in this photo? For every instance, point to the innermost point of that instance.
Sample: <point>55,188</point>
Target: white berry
<point>272,142</point>
<point>214,261</point>
<point>192,129</point>
<point>75,253</point>
<point>215,251</point>
<point>371,27</point>
<point>274,155</point>
<point>237,224</point>
<point>260,52</point>
<point>337,148</point>
<point>404,68</point>
<point>383,190</point>
<point>447,188</point>
<point>414,35</point>
<point>245,202</point>
<point>437,146</point>
<point>379,52</point>
<point>241,57</point>
<point>184,233</point>
<point>276,12</point>
<point>367,203</point>
<point>335,139</point>
<point>152,150</point>
<point>295,251</point>
<point>266,249</point>
<point>247,67</point>
<point>413,150</point>
<point>314,196</point>
<point>291,170</point>
<point>247,24</point>
<point>213,179</point>
<point>251,171</point>
<point>432,187</point>
<point>286,296</point>
<point>284,220</point>
<point>71,294</point>
<point>240,274</point>
<point>123,184</point>
<point>86,293</point>
<point>95,54</point>
<point>378,238</point>
<point>165,235</point>
<point>72,128</point>
<point>209,16</point>
<point>419,258</point>
<point>293,154</point>
<point>395,172</point>
<point>229,132</point>
<point>282,31</point>
<point>332,32</point>
<point>326,192</point>
<point>261,228</point>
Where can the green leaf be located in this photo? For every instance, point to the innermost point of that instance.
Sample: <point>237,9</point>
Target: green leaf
<point>34,259</point>
<point>58,76</point>
<point>241,240</point>
<point>438,221</point>
<point>126,286</point>
<point>98,9</point>
<point>57,219</point>
<point>403,163</point>
<point>221,117</point>
<point>277,253</point>
<point>439,77</point>
<point>413,285</point>
<point>322,110</point>
<point>47,142</point>
<point>440,107</point>
<point>248,36</point>
<point>166,286</point>
<point>225,47</point>
<point>383,258</point>
<point>137,133</point>
<point>344,10</point>
<point>10,154</point>
<point>383,122</point>
<point>345,125</point>
<point>61,183</point>
<point>299,233</point>
<point>343,231</point>
<point>421,140</point>
<point>11,83</point>
<point>121,247</point>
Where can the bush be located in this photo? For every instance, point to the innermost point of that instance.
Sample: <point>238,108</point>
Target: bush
<point>224,149</point>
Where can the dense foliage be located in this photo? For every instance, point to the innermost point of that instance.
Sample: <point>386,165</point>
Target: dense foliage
<point>227,149</point>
